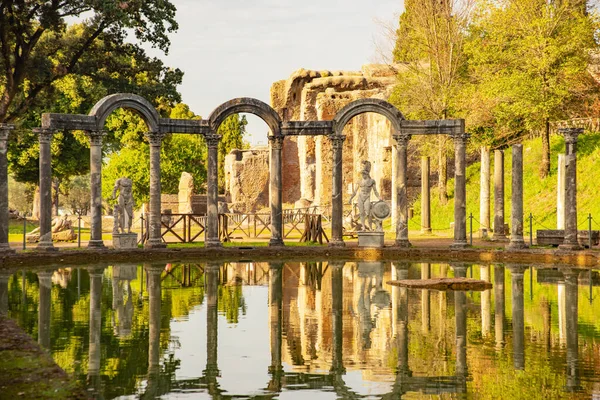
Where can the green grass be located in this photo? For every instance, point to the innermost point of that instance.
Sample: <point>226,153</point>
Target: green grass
<point>539,195</point>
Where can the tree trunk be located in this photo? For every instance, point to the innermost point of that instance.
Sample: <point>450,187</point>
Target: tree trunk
<point>442,170</point>
<point>545,166</point>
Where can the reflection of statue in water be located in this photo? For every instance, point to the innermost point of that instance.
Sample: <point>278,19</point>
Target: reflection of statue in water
<point>123,211</point>
<point>364,195</point>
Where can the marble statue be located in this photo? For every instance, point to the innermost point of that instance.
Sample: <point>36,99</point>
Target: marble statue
<point>123,210</point>
<point>364,188</point>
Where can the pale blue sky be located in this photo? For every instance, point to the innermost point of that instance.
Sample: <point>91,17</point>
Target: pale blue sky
<point>236,48</point>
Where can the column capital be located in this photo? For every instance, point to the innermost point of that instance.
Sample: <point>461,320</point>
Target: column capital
<point>95,137</point>
<point>337,141</point>
<point>570,134</point>
<point>5,130</point>
<point>402,139</point>
<point>45,135</point>
<point>212,140</point>
<point>154,138</point>
<point>460,138</point>
<point>276,142</point>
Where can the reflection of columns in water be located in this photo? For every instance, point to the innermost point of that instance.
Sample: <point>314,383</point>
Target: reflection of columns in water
<point>211,282</point>
<point>562,326</point>
<point>400,315</point>
<point>153,272</point>
<point>425,299</point>
<point>460,315</point>
<point>518,321</point>
<point>45,306</point>
<point>93,375</point>
<point>275,322</point>
<point>337,293</point>
<point>4,293</point>
<point>486,295</point>
<point>499,305</point>
<point>572,292</point>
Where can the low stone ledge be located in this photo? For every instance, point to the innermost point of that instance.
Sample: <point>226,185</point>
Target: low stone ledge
<point>444,284</point>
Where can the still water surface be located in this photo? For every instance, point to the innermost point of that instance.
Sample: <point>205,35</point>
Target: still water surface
<point>314,330</point>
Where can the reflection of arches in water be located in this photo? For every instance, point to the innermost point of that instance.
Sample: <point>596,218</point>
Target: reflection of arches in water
<point>185,275</point>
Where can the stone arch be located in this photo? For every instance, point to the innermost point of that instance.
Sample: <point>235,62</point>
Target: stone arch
<point>108,104</point>
<point>248,105</point>
<point>362,106</point>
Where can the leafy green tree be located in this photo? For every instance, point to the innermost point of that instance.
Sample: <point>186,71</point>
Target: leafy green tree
<point>529,63</point>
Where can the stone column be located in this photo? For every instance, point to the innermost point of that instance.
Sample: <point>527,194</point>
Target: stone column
<point>499,234</point>
<point>44,308</point>
<point>95,347</point>
<point>484,193</point>
<point>96,188</point>
<point>45,137</point>
<point>275,322</point>
<point>571,135</point>
<point>560,192</point>
<point>402,200</point>
<point>460,190</point>
<point>154,236</point>
<point>518,321</point>
<point>337,317</point>
<point>337,201</point>
<point>4,131</point>
<point>516,207</point>
<point>425,197</point>
<point>499,305</point>
<point>212,192</point>
<point>572,315</point>
<point>276,191</point>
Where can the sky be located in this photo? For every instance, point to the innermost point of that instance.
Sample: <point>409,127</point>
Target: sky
<point>236,48</point>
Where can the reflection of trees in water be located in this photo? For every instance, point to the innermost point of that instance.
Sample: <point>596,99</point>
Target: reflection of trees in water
<point>231,302</point>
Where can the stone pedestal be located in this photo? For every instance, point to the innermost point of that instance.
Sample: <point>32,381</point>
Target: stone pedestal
<point>125,240</point>
<point>370,239</point>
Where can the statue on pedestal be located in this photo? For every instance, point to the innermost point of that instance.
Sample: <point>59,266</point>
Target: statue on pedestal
<point>123,210</point>
<point>364,195</point>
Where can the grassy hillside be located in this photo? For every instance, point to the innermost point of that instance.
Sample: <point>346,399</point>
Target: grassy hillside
<point>539,194</point>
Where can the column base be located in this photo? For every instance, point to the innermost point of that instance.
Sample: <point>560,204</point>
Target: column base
<point>5,249</point>
<point>426,231</point>
<point>96,244</point>
<point>337,243</point>
<point>155,244</point>
<point>46,246</point>
<point>404,243</point>
<point>500,238</point>
<point>460,244</point>
<point>570,247</point>
<point>213,244</point>
<point>276,243</point>
<point>518,244</point>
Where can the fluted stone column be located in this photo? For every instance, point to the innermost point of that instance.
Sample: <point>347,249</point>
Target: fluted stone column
<point>337,300</point>
<point>570,242</point>
<point>337,200</point>
<point>45,137</point>
<point>499,234</point>
<point>402,200</point>
<point>484,192</point>
<point>516,213</point>
<point>518,321</point>
<point>425,196</point>
<point>154,235</point>
<point>460,190</point>
<point>96,188</point>
<point>212,192</point>
<point>275,322</point>
<point>276,191</point>
<point>499,305</point>
<point>4,131</point>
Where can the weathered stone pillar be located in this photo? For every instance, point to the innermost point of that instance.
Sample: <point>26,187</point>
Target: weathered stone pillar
<point>425,197</point>
<point>499,234</point>
<point>571,135</point>
<point>337,201</point>
<point>275,322</point>
<point>484,192</point>
<point>45,137</point>
<point>516,207</point>
<point>402,200</point>
<point>154,236</point>
<point>276,191</point>
<point>212,192</point>
<point>518,317</point>
<point>4,131</point>
<point>460,190</point>
<point>96,188</point>
<point>560,192</point>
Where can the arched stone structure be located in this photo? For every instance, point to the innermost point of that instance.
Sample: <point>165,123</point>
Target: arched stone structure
<point>273,120</point>
<point>337,138</point>
<point>105,106</point>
